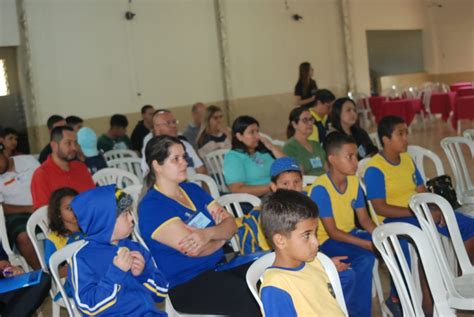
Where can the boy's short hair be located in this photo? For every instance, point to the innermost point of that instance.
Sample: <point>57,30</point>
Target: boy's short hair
<point>73,120</point>
<point>335,140</point>
<point>124,201</point>
<point>283,209</point>
<point>324,96</point>
<point>282,165</point>
<point>52,120</point>
<point>387,125</point>
<point>118,120</point>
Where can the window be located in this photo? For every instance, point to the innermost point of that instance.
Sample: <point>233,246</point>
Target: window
<point>3,79</point>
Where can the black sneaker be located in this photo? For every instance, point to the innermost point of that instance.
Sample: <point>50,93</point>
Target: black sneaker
<point>395,308</point>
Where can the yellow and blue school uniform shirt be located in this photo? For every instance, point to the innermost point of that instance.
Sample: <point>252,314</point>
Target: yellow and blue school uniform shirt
<point>335,204</point>
<point>156,210</point>
<point>320,127</point>
<point>240,167</point>
<point>396,183</point>
<point>100,287</point>
<point>301,291</point>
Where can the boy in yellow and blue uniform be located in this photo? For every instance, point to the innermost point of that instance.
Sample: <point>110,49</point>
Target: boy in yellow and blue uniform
<point>337,194</point>
<point>112,275</point>
<point>296,284</point>
<point>322,106</point>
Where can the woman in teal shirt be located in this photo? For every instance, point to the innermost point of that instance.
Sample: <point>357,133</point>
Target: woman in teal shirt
<point>247,165</point>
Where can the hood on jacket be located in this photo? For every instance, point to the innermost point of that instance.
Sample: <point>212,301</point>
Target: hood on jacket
<point>96,213</point>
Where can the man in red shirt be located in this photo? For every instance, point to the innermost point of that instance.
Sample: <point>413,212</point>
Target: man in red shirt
<point>61,169</point>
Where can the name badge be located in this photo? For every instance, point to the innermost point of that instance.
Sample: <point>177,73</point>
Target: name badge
<point>361,151</point>
<point>316,162</point>
<point>198,220</point>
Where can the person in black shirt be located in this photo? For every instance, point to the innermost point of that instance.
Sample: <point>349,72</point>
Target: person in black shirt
<point>344,119</point>
<point>53,122</point>
<point>143,127</point>
<point>306,87</point>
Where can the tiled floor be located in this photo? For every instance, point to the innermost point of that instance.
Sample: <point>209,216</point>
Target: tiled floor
<point>430,138</point>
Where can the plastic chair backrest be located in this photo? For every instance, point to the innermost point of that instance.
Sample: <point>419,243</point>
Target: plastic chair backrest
<point>129,164</point>
<point>375,139</point>
<point>468,134</point>
<point>55,261</point>
<point>39,219</point>
<point>232,202</point>
<point>215,166</point>
<point>308,180</point>
<point>13,258</point>
<point>118,154</point>
<point>386,240</point>
<point>452,146</point>
<point>119,177</point>
<point>209,181</point>
<point>256,270</point>
<point>418,154</point>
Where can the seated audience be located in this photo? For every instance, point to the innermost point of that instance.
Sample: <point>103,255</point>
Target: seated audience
<point>187,251</point>
<point>142,128</point>
<point>74,122</point>
<point>9,139</point>
<point>53,122</point>
<point>116,138</point>
<point>247,165</point>
<point>87,140</point>
<point>290,221</point>
<point>214,135</point>
<point>344,120</point>
<point>193,128</point>
<point>64,229</point>
<point>320,111</point>
<point>337,194</point>
<point>15,196</point>
<point>164,123</point>
<point>309,154</point>
<point>21,302</point>
<point>113,275</point>
<point>306,87</point>
<point>61,169</point>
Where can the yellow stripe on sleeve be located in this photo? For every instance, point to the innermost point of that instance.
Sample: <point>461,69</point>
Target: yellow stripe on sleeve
<point>162,225</point>
<point>153,290</point>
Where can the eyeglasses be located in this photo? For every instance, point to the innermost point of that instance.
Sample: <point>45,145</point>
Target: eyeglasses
<point>307,120</point>
<point>170,122</point>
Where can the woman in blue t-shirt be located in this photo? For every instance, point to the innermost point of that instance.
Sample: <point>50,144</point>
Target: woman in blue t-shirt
<point>185,231</point>
<point>247,165</point>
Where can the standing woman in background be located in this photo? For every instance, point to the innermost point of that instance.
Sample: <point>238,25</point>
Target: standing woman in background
<point>306,87</point>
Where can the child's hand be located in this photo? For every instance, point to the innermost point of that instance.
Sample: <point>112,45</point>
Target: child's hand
<point>340,266</point>
<point>138,263</point>
<point>11,271</point>
<point>123,260</point>
<point>218,213</point>
<point>195,242</point>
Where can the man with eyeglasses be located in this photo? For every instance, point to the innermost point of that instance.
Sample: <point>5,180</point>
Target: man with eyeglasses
<point>164,123</point>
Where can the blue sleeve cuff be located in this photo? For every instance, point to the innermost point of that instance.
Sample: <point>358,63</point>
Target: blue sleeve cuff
<point>320,196</point>
<point>360,201</point>
<point>418,178</point>
<point>375,183</point>
<point>276,302</point>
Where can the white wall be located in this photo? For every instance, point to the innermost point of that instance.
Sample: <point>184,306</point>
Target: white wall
<point>266,45</point>
<point>9,35</point>
<point>88,60</point>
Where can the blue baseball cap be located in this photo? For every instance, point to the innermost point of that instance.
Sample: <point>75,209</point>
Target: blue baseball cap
<point>87,139</point>
<point>284,164</point>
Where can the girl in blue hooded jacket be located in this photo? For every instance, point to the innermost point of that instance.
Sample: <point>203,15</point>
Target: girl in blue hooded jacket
<point>112,275</point>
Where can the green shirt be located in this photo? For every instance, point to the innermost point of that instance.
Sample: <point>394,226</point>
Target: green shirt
<point>105,143</point>
<point>239,167</point>
<point>312,162</point>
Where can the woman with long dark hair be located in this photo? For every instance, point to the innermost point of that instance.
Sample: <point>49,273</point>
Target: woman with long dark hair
<point>309,154</point>
<point>344,119</point>
<point>306,87</point>
<point>185,230</point>
<point>247,165</point>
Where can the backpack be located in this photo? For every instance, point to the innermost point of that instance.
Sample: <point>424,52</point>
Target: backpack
<point>250,236</point>
<point>443,186</point>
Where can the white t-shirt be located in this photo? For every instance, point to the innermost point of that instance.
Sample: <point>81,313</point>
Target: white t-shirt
<point>195,160</point>
<point>15,187</point>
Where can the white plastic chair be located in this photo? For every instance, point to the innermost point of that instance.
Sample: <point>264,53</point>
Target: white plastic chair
<point>385,238</point>
<point>256,270</point>
<point>215,166</point>
<point>468,134</point>
<point>276,142</point>
<point>418,154</point>
<point>13,258</point>
<point>453,147</point>
<point>375,139</point>
<point>308,180</point>
<point>118,154</point>
<point>121,178</point>
<point>209,181</point>
<point>129,164</point>
<point>459,288</point>
<point>56,259</point>
<point>363,109</point>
